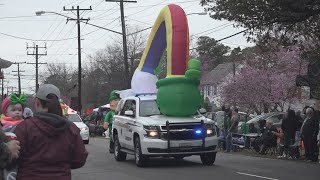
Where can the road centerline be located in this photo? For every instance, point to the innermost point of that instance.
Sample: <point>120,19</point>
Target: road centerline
<point>252,175</point>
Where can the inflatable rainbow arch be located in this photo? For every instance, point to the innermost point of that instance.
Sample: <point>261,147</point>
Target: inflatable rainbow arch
<point>169,34</point>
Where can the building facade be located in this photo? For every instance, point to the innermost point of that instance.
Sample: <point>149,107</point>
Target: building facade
<point>211,82</point>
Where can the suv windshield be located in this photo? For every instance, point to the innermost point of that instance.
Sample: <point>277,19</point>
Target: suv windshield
<point>149,108</point>
<point>74,118</point>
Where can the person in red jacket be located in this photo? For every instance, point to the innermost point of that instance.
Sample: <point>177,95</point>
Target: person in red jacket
<point>50,144</point>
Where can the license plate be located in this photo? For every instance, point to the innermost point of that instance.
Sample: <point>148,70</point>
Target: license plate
<point>185,145</point>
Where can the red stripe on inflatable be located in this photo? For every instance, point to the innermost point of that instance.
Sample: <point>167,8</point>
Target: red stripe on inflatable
<point>180,40</point>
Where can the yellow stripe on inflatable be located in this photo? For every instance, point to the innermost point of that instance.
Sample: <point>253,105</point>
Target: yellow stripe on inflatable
<point>165,16</point>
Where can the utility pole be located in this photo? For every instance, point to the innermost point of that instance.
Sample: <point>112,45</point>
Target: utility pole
<point>36,53</point>
<point>19,75</point>
<point>78,20</point>
<point>124,39</point>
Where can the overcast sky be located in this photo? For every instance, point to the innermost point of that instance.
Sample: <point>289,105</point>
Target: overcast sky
<point>17,18</point>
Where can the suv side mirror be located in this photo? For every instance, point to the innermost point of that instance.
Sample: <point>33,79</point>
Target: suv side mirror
<point>202,111</point>
<point>129,113</point>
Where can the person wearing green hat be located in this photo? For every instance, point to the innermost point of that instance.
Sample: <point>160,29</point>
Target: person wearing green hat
<point>114,99</point>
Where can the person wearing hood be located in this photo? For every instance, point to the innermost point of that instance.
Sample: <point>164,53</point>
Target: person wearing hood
<point>50,144</point>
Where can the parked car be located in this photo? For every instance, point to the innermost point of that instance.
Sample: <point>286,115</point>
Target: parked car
<point>276,118</point>
<point>84,130</point>
<point>219,118</point>
<point>244,117</point>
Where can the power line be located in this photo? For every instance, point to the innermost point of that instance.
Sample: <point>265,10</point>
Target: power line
<point>17,17</point>
<point>105,12</point>
<point>216,30</point>
<point>226,37</point>
<point>147,8</point>
<point>28,39</point>
<point>96,40</point>
<point>154,5</point>
<point>212,28</point>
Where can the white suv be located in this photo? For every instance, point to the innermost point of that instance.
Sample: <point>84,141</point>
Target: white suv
<point>140,129</point>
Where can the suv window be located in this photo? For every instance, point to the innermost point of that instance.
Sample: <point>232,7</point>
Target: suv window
<point>149,108</point>
<point>129,105</point>
<point>74,118</point>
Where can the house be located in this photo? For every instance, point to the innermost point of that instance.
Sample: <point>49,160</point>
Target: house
<point>212,81</point>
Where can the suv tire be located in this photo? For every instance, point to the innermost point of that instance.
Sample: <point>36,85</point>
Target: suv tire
<point>208,159</point>
<point>86,141</point>
<point>118,154</point>
<point>140,159</point>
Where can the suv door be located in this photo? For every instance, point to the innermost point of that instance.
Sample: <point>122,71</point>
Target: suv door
<point>128,121</point>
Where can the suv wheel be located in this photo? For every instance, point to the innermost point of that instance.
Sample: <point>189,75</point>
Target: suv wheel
<point>208,159</point>
<point>86,141</point>
<point>139,158</point>
<point>118,155</point>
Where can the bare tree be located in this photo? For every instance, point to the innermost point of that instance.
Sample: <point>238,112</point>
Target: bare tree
<point>63,77</point>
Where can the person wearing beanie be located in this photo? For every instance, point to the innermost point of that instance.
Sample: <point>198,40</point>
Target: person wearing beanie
<point>12,109</point>
<point>108,120</point>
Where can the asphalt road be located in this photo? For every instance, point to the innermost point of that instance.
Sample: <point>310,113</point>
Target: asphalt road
<point>102,165</point>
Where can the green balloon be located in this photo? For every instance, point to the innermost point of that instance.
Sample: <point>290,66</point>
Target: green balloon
<point>178,96</point>
<point>194,64</point>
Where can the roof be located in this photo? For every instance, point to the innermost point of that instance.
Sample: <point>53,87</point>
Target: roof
<point>218,74</point>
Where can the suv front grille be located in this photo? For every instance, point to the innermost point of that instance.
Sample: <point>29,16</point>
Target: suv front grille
<point>181,131</point>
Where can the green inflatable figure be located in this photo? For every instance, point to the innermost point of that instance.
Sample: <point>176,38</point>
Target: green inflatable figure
<point>108,120</point>
<point>180,96</point>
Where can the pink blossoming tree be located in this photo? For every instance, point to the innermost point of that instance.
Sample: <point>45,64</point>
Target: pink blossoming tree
<point>266,81</point>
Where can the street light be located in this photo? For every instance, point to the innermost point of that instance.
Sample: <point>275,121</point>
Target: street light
<point>39,13</point>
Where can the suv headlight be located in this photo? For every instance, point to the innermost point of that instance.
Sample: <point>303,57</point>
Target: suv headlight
<point>210,129</point>
<point>152,131</point>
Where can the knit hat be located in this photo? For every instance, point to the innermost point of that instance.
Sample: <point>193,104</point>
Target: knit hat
<point>13,99</point>
<point>5,104</point>
<point>114,95</point>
